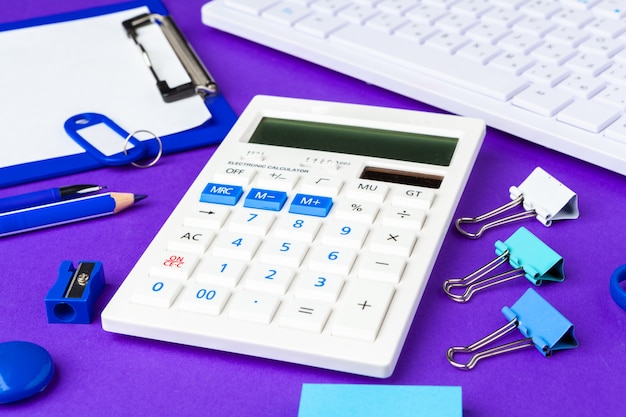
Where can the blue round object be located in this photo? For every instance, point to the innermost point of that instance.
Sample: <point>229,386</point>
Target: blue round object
<point>25,370</point>
<point>617,292</point>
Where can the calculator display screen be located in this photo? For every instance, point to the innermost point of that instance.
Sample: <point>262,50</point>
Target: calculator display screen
<point>355,140</point>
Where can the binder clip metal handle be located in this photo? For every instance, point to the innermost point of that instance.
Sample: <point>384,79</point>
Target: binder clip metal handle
<point>527,254</point>
<point>540,323</point>
<point>476,281</point>
<point>498,222</point>
<point>541,195</point>
<point>492,337</point>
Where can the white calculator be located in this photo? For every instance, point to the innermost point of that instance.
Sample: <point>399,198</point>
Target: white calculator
<point>308,237</point>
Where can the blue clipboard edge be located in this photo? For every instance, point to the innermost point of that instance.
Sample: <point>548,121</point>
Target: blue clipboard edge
<point>211,132</point>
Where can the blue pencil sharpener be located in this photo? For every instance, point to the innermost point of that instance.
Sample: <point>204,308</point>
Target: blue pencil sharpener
<point>71,299</point>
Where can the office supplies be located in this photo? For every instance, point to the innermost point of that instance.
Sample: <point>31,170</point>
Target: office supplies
<point>541,195</point>
<point>550,73</point>
<point>51,195</point>
<point>93,66</point>
<point>308,237</point>
<point>618,293</point>
<point>369,400</point>
<point>542,325</point>
<point>71,299</point>
<point>25,370</point>
<point>525,252</point>
<point>33,218</point>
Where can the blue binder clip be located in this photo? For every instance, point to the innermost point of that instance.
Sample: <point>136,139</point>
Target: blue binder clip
<point>541,324</point>
<point>541,195</point>
<point>526,253</point>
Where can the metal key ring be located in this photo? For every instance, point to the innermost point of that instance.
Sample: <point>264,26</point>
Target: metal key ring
<point>617,291</point>
<point>156,158</point>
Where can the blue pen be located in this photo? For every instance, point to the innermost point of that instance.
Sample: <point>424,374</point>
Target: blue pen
<point>63,212</point>
<point>51,195</point>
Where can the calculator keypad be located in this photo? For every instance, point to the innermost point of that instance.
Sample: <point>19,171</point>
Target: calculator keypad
<point>284,249</point>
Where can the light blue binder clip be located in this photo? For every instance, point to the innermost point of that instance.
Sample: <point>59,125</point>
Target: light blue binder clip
<point>526,253</point>
<point>541,324</point>
<point>541,195</point>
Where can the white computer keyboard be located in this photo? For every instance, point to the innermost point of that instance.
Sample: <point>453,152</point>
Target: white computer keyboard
<point>551,71</point>
<point>308,237</point>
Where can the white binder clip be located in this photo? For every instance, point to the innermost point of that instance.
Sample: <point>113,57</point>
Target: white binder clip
<point>541,195</point>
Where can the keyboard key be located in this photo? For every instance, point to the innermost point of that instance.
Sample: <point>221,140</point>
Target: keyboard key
<point>157,292</point>
<point>404,217</point>
<point>300,228</point>
<point>344,234</point>
<point>381,267</point>
<point>286,13</point>
<point>582,86</point>
<point>268,278</point>
<point>321,185</point>
<point>363,309</point>
<point>207,216</point>
<point>236,246</point>
<point>220,271</point>
<point>190,240</point>
<point>413,197</point>
<point>331,259</point>
<point>253,306</point>
<point>204,299</point>
<point>304,315</point>
<point>367,191</point>
<point>617,130</point>
<point>319,25</point>
<point>265,199</point>
<point>221,194</point>
<point>392,241</point>
<point>319,286</point>
<point>276,180</point>
<point>283,252</point>
<point>542,100</point>
<point>356,211</point>
<point>250,6</point>
<point>178,265</point>
<point>311,205</point>
<point>589,115</point>
<point>438,64</point>
<point>253,222</point>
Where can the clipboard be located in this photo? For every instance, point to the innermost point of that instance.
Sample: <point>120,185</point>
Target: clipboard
<point>109,91</point>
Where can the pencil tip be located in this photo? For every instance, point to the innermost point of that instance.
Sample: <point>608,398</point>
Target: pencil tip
<point>139,197</point>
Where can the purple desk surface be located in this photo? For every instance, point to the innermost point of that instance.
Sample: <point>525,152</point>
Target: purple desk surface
<point>105,374</point>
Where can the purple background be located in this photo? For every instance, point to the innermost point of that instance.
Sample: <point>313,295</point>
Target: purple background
<point>105,374</point>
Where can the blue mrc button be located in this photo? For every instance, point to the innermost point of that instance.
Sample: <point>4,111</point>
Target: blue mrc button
<point>221,194</point>
<point>265,199</point>
<point>311,205</point>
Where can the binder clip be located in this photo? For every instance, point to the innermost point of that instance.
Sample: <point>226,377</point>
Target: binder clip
<point>71,299</point>
<point>541,324</point>
<point>540,194</point>
<point>526,253</point>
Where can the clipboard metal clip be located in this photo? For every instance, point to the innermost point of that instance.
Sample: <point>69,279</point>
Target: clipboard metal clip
<point>202,83</point>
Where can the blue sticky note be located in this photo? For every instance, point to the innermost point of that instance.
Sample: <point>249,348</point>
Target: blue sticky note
<point>348,400</point>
